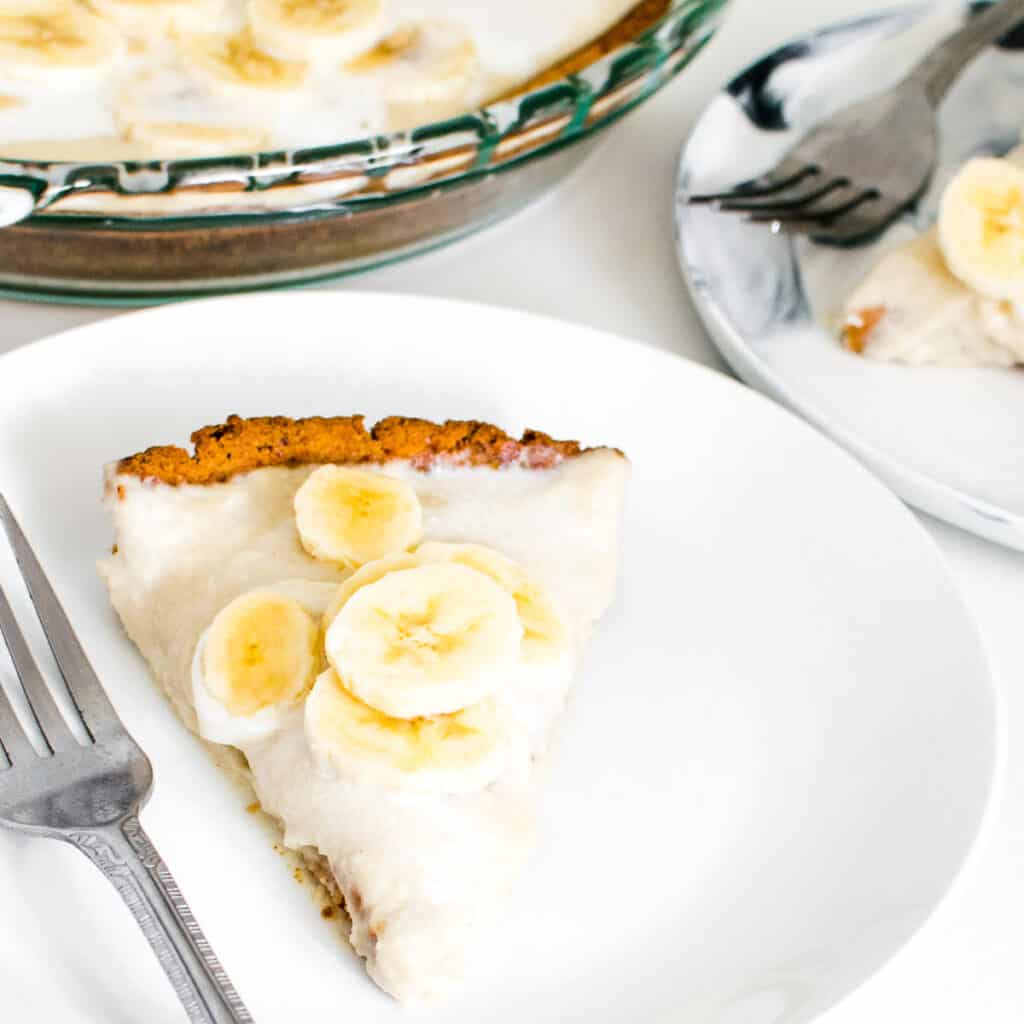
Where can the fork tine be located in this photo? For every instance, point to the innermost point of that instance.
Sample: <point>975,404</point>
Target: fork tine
<point>784,203</point>
<point>845,230</point>
<point>821,214</point>
<point>84,687</point>
<point>49,719</point>
<point>816,215</point>
<point>785,175</point>
<point>14,744</point>
<point>848,232</point>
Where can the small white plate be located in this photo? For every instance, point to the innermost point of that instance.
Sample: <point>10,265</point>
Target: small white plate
<point>778,757</point>
<point>947,440</point>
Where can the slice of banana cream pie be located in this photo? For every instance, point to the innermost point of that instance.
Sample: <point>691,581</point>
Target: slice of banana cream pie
<point>953,296</point>
<point>380,626</point>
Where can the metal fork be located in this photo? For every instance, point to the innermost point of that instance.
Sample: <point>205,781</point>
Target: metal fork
<point>90,794</point>
<point>855,172</point>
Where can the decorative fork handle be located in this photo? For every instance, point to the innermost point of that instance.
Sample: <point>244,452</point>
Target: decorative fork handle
<point>939,70</point>
<point>126,856</point>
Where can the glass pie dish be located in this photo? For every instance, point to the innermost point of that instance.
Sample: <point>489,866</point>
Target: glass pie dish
<point>125,232</point>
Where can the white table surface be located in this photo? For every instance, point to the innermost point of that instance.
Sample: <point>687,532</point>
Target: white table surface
<point>598,250</point>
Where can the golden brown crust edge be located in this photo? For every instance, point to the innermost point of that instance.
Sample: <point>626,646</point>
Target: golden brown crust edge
<point>639,18</point>
<point>241,445</point>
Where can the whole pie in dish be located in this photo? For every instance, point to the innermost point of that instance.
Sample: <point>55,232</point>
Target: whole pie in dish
<point>380,628</point>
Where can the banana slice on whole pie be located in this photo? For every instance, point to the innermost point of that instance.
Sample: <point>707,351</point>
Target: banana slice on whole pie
<point>422,62</point>
<point>173,117</point>
<point>18,8</point>
<point>317,30</point>
<point>234,65</point>
<point>195,139</point>
<point>385,625</point>
<point>156,18</point>
<point>62,43</point>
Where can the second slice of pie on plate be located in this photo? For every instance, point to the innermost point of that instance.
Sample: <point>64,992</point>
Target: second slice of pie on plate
<point>380,628</point>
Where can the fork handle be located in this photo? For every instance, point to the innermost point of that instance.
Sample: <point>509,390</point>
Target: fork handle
<point>125,854</point>
<point>939,70</point>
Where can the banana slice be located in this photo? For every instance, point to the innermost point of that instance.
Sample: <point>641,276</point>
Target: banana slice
<point>545,627</point>
<point>64,41</point>
<point>169,116</point>
<point>19,7</point>
<point>234,66</point>
<point>352,517</point>
<point>182,140</point>
<point>432,61</point>
<point>144,18</point>
<point>457,753</point>
<point>426,641</point>
<point>981,228</point>
<point>369,573</point>
<point>253,666</point>
<point>316,30</point>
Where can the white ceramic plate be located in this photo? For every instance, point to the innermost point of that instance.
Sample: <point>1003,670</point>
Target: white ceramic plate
<point>777,761</point>
<point>946,440</point>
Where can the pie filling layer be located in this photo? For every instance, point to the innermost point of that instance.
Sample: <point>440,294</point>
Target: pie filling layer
<point>420,815</point>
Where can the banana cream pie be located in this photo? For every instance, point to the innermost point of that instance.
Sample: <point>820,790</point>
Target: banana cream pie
<point>953,296</point>
<point>160,79</point>
<point>379,628</point>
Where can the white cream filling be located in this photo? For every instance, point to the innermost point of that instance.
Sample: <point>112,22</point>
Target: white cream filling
<point>420,873</point>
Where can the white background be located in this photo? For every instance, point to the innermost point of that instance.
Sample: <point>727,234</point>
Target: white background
<point>598,250</point>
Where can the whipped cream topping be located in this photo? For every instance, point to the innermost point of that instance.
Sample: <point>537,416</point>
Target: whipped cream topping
<point>421,873</point>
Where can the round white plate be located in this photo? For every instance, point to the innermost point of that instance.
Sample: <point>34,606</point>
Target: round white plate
<point>778,757</point>
<point>947,440</point>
